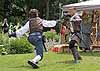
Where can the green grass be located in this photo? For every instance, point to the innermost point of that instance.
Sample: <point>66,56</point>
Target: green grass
<point>51,62</point>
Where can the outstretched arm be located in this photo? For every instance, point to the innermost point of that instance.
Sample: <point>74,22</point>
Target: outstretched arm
<point>51,23</point>
<point>76,17</point>
<point>22,30</point>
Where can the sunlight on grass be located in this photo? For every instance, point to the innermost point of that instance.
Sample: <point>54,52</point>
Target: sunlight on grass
<point>51,62</point>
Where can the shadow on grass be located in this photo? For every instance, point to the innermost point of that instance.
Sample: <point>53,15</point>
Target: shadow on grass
<point>93,53</point>
<point>56,63</point>
<point>22,66</point>
<point>66,62</point>
<point>44,65</point>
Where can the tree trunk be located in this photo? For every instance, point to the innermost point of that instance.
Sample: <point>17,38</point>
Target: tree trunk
<point>47,9</point>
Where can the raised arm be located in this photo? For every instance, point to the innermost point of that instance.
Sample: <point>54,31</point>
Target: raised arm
<point>76,17</point>
<point>22,30</point>
<point>51,23</point>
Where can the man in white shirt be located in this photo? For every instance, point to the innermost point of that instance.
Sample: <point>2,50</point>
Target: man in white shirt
<point>34,26</point>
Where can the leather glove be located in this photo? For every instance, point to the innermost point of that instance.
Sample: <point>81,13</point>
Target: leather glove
<point>12,34</point>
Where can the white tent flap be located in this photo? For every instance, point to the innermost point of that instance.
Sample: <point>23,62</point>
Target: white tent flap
<point>93,4</point>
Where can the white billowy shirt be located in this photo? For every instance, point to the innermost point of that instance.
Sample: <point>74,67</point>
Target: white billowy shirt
<point>75,17</point>
<point>25,28</point>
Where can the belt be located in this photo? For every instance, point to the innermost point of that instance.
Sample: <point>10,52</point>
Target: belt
<point>36,33</point>
<point>75,32</point>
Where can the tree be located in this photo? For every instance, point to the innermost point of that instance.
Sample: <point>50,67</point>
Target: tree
<point>49,9</point>
<point>1,10</point>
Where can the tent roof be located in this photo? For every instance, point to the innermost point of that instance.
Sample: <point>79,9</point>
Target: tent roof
<point>92,4</point>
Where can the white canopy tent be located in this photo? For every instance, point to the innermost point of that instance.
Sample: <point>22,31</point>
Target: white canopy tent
<point>87,5</point>
<point>92,4</point>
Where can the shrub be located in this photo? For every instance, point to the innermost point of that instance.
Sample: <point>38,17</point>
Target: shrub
<point>19,46</point>
<point>50,35</point>
<point>4,42</point>
<point>4,39</point>
<point>57,37</point>
<point>3,51</point>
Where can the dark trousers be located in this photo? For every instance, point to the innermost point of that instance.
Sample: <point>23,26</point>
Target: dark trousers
<point>74,49</point>
<point>36,40</point>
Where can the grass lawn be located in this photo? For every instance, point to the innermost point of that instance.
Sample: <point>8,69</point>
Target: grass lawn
<point>51,62</point>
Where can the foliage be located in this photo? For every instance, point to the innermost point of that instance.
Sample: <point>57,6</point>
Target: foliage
<point>3,51</point>
<point>1,10</point>
<point>15,45</point>
<point>58,26</point>
<point>4,43</point>
<point>57,37</point>
<point>20,45</point>
<point>0,27</point>
<point>4,40</point>
<point>20,8</point>
<point>50,35</point>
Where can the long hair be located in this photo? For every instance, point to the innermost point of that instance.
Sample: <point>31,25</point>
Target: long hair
<point>33,13</point>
